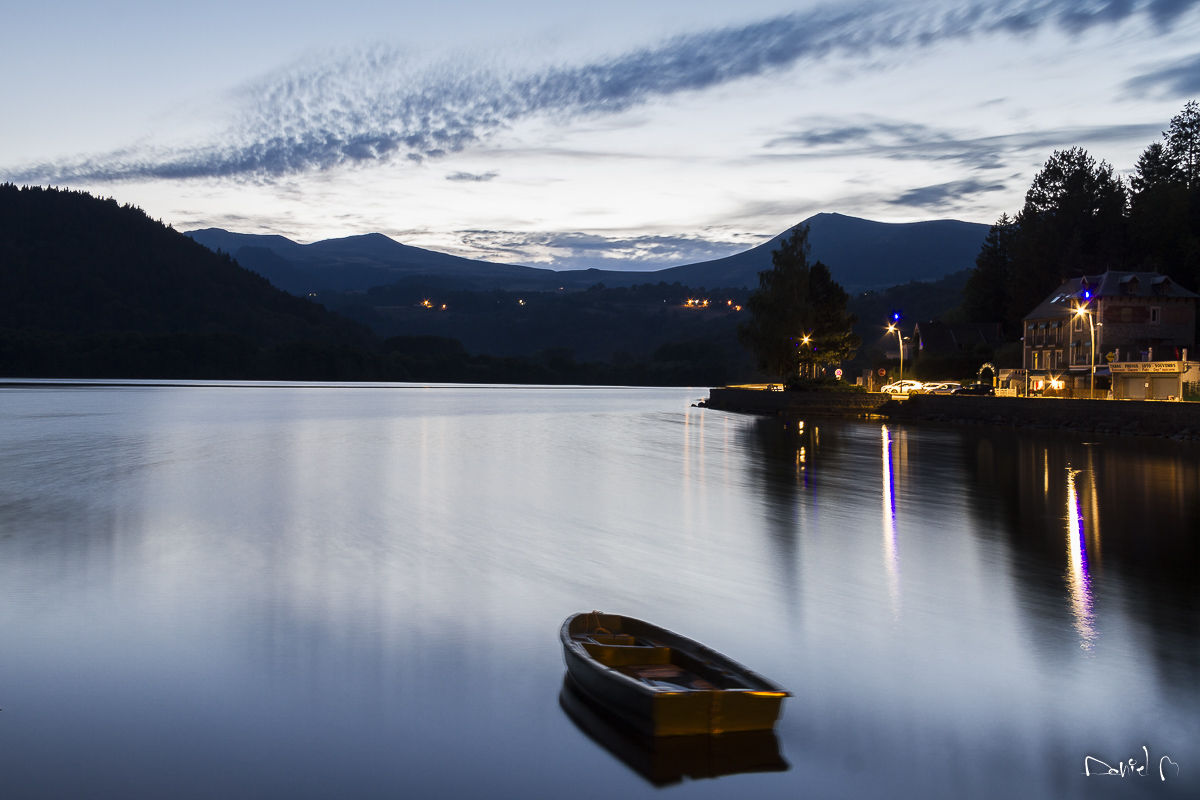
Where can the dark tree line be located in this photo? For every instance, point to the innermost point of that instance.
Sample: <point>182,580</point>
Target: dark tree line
<point>224,356</point>
<point>1080,218</point>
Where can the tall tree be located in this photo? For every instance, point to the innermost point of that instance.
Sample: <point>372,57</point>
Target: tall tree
<point>1154,169</point>
<point>1164,215</point>
<point>780,309</point>
<point>798,315</point>
<point>833,339</point>
<point>985,297</point>
<point>1073,223</point>
<point>1183,144</point>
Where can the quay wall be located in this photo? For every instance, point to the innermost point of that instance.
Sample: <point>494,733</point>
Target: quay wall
<point>761,401</point>
<point>1178,420</point>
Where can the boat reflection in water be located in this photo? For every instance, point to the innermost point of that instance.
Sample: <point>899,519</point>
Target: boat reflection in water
<point>664,760</point>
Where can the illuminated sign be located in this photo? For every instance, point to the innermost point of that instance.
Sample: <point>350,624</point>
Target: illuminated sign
<point>1149,366</point>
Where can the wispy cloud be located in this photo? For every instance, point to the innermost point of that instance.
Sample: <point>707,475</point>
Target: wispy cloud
<point>909,141</point>
<point>945,195</point>
<point>1181,79</point>
<point>480,177</point>
<point>574,250</point>
<point>378,105</point>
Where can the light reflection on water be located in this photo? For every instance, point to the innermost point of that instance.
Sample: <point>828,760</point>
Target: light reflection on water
<point>316,591</point>
<point>1078,578</point>
<point>891,553</point>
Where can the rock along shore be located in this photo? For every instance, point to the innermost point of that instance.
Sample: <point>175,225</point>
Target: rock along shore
<point>1175,420</point>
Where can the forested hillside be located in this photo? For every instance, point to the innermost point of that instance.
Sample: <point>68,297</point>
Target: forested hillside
<point>76,264</point>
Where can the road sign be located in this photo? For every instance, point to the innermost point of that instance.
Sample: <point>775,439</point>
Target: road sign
<point>1110,358</point>
<point>882,372</point>
<point>838,373</point>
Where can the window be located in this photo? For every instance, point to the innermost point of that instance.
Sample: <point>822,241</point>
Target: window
<point>1155,316</point>
<point>1078,322</point>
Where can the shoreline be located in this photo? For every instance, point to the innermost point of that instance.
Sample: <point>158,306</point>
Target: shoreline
<point>1178,420</point>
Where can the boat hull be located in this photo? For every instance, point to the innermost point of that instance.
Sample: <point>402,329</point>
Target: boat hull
<point>662,683</point>
<point>665,760</point>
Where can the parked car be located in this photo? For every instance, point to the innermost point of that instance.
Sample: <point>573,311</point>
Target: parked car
<point>903,387</point>
<point>941,387</point>
<point>975,388</point>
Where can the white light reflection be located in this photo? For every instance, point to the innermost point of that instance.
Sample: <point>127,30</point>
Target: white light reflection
<point>1078,579</point>
<point>891,553</point>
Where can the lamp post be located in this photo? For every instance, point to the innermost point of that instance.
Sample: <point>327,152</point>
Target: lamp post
<point>1082,311</point>
<point>900,338</point>
<point>805,339</point>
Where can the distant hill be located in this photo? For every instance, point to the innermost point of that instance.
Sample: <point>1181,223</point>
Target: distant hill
<point>355,263</point>
<point>862,255</point>
<point>78,265</point>
<point>90,288</point>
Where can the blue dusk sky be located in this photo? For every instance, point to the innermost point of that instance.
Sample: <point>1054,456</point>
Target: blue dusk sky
<point>618,134</point>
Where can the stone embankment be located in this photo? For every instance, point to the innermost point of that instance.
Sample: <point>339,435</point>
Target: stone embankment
<point>1176,420</point>
<point>762,401</point>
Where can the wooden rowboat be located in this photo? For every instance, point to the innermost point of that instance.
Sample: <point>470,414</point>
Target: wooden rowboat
<point>662,683</point>
<point>664,760</point>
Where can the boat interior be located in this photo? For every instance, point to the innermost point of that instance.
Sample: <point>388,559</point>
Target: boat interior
<point>655,660</point>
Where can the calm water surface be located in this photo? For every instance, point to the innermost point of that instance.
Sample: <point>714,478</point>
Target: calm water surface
<point>355,592</point>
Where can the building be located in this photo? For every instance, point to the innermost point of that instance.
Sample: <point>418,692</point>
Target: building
<point>1135,317</point>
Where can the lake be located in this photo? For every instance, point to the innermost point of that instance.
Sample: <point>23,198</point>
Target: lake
<point>302,591</point>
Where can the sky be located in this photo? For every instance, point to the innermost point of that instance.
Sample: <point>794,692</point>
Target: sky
<point>619,135</point>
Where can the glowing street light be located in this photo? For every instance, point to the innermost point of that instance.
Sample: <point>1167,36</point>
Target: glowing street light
<point>805,339</point>
<point>894,328</point>
<point>1081,311</point>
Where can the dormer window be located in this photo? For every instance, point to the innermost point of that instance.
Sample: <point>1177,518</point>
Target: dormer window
<point>1129,284</point>
<point>1160,285</point>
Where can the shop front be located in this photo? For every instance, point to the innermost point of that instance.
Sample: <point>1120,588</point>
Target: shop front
<point>1152,380</point>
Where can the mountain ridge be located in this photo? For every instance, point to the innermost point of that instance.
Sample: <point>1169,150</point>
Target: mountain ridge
<point>862,254</point>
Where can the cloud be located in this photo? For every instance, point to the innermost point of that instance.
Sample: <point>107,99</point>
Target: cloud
<point>1181,79</point>
<point>910,141</point>
<point>379,105</point>
<point>574,250</point>
<point>944,194</point>
<point>471,176</point>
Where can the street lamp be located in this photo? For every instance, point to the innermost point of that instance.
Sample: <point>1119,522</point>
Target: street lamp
<point>805,340</point>
<point>1081,311</point>
<point>893,329</point>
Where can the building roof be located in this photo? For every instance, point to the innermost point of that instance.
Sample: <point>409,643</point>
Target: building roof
<point>946,337</point>
<point>1107,284</point>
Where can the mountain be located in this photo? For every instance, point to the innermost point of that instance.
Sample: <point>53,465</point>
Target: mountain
<point>78,265</point>
<point>355,263</point>
<point>862,255</point>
